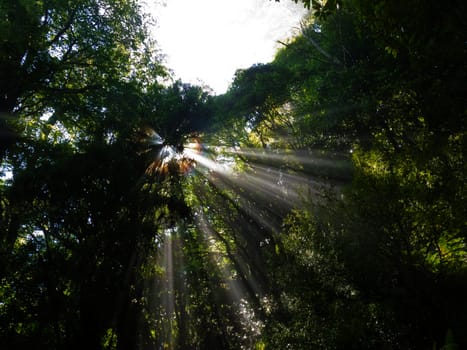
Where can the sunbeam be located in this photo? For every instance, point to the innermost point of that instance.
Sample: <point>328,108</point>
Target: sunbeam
<point>243,290</point>
<point>270,183</point>
<point>264,215</point>
<point>168,296</point>
<point>221,166</point>
<point>251,192</point>
<point>297,158</point>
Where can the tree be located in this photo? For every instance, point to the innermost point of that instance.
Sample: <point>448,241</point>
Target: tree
<point>56,51</point>
<point>355,84</point>
<point>325,211</point>
<point>76,229</point>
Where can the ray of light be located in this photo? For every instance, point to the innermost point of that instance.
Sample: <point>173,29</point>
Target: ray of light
<point>335,166</point>
<point>249,223</point>
<point>154,138</point>
<point>264,216</point>
<point>213,239</point>
<point>291,182</point>
<point>305,171</point>
<point>168,291</point>
<point>262,193</point>
<point>303,157</point>
<point>269,183</point>
<point>216,166</point>
<point>242,287</point>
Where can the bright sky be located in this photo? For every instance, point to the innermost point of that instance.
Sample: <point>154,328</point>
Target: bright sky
<point>206,41</point>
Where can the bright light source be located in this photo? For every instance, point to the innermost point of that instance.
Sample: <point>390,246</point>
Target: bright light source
<point>209,40</point>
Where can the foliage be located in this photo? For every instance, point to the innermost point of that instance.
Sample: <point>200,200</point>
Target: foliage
<point>333,216</point>
<point>362,80</point>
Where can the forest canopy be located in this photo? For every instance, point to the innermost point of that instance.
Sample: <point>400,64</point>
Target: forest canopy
<point>318,203</point>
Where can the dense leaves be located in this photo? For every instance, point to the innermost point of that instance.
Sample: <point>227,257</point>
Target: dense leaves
<point>319,203</point>
<point>392,252</point>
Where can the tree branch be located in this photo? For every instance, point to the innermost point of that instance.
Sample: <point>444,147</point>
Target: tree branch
<point>65,28</point>
<point>307,36</point>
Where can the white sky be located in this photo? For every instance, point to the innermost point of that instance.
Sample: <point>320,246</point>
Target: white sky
<point>206,41</point>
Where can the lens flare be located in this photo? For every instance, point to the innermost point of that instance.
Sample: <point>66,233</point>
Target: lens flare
<point>168,159</point>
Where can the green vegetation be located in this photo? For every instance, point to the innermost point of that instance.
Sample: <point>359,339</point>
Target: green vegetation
<point>319,203</point>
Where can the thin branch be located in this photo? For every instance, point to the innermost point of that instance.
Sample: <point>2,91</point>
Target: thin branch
<point>71,90</point>
<point>306,35</point>
<point>65,28</point>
